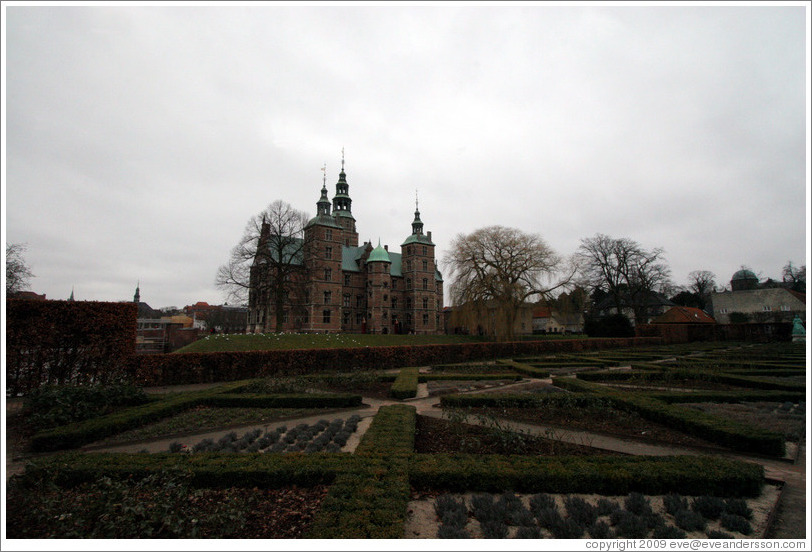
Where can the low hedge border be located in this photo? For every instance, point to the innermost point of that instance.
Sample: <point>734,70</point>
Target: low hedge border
<point>391,432</point>
<point>726,432</point>
<point>679,374</point>
<point>683,474</point>
<point>302,400</point>
<point>87,431</point>
<point>526,369</point>
<point>525,400</point>
<point>405,385</point>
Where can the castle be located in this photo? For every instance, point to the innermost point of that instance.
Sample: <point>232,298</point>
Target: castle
<point>340,286</point>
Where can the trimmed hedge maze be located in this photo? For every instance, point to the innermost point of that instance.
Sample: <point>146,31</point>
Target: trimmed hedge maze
<point>370,490</point>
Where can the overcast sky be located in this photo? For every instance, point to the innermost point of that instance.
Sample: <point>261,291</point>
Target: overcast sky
<point>140,140</point>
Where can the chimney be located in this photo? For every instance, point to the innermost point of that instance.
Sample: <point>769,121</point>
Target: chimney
<point>429,235</point>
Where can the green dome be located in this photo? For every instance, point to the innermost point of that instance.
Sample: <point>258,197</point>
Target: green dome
<point>744,274</point>
<point>379,254</point>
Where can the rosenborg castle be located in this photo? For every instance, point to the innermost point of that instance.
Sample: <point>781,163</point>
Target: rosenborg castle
<point>341,286</point>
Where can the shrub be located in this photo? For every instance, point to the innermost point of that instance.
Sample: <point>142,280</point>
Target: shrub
<point>452,532</point>
<point>605,506</point>
<point>528,532</point>
<point>631,525</point>
<point>541,501</point>
<point>566,528</point>
<point>582,512</point>
<point>690,520</point>
<point>405,385</point>
<point>735,523</point>
<point>451,511</point>
<point>548,517</point>
<point>638,504</point>
<point>52,405</point>
<point>674,503</point>
<point>716,534</point>
<point>711,507</point>
<point>738,507</point>
<point>494,529</point>
<point>668,532</point>
<point>600,530</point>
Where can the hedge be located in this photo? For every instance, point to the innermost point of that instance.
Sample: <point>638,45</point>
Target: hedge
<point>67,343</point>
<point>681,374</point>
<point>606,475</point>
<point>87,431</point>
<point>723,431</point>
<point>188,368</point>
<point>405,385</point>
<point>526,369</point>
<point>302,400</point>
<point>391,432</point>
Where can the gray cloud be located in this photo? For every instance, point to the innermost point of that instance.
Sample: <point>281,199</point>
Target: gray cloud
<point>141,139</point>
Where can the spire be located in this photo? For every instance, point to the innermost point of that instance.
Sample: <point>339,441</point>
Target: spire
<point>323,204</point>
<point>342,204</point>
<point>71,295</point>
<point>137,296</point>
<point>417,224</point>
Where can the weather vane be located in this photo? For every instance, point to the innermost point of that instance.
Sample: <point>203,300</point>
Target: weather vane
<point>324,174</point>
<point>342,158</point>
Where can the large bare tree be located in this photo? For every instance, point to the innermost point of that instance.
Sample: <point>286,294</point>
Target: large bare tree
<point>18,274</point>
<point>495,270</point>
<point>702,283</point>
<point>794,276</point>
<point>626,271</point>
<point>268,265</point>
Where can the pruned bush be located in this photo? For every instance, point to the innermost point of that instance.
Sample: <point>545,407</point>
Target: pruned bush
<point>566,528</point>
<point>451,511</point>
<point>541,501</point>
<point>452,532</point>
<point>716,534</point>
<point>630,525</point>
<point>54,405</point>
<point>600,530</point>
<point>606,506</point>
<point>733,522</point>
<point>494,529</point>
<point>738,506</point>
<point>581,511</point>
<point>711,507</point>
<point>528,532</point>
<point>674,503</point>
<point>638,504</point>
<point>690,520</point>
<point>668,532</point>
<point>548,517</point>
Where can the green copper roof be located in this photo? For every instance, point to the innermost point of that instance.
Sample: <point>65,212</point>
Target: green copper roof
<point>323,220</point>
<point>379,254</point>
<point>744,274</point>
<point>417,238</point>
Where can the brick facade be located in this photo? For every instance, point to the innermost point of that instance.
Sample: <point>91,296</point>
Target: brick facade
<point>344,287</point>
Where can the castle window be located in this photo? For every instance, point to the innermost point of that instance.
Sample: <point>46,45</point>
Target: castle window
<point>385,297</point>
<point>425,319</point>
<point>328,252</point>
<point>325,316</point>
<point>425,250</point>
<point>359,301</point>
<point>785,308</point>
<point>425,302</point>
<point>425,266</point>
<point>328,274</point>
<point>385,316</point>
<point>408,283</point>
<point>394,284</point>
<point>285,317</point>
<point>425,283</point>
<point>359,318</point>
<point>328,296</point>
<point>328,234</point>
<point>385,285</point>
<point>346,320</point>
<point>766,308</point>
<point>346,299</point>
<point>347,279</point>
<point>394,302</point>
<point>408,265</point>
<point>408,302</point>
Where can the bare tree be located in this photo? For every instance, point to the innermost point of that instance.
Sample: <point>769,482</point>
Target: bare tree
<point>620,267</point>
<point>18,274</point>
<point>267,267</point>
<point>495,270</point>
<point>702,283</point>
<point>795,276</point>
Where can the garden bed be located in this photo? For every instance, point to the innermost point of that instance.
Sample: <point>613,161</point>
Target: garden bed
<point>508,515</point>
<point>434,435</point>
<point>787,418</point>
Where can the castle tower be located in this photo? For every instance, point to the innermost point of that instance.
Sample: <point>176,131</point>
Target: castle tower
<point>423,306</point>
<point>342,208</point>
<point>379,279</point>
<point>324,237</point>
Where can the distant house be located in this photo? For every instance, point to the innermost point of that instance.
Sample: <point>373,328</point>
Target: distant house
<point>221,318</point>
<point>28,295</point>
<point>684,315</point>
<point>655,305</point>
<point>548,320</point>
<point>758,305</point>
